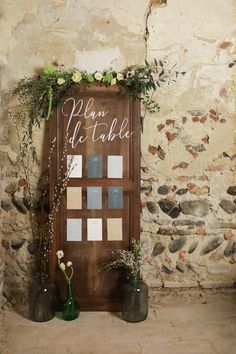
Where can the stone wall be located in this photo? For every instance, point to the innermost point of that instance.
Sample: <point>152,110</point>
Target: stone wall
<point>188,149</point>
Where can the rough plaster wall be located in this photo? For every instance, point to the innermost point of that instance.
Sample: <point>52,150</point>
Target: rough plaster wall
<point>187,146</point>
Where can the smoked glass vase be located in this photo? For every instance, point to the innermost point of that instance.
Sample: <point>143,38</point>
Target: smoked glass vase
<point>70,310</point>
<point>42,299</point>
<point>134,305</point>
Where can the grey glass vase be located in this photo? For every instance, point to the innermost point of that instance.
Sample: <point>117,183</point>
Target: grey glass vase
<point>134,305</point>
<point>42,299</point>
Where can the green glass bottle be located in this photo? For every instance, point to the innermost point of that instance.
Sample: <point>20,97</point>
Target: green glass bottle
<point>70,309</point>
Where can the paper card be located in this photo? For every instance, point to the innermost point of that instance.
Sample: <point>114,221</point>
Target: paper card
<point>115,197</point>
<point>114,229</point>
<point>74,163</point>
<point>74,198</point>
<point>74,230</point>
<point>94,229</point>
<point>114,166</point>
<point>94,197</point>
<point>94,165</point>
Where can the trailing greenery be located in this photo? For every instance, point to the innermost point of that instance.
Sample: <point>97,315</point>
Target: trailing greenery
<point>38,95</point>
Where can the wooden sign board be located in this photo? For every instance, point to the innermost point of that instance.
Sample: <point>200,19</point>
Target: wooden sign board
<point>100,210</point>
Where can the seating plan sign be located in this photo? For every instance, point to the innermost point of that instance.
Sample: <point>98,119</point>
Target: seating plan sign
<point>100,210</point>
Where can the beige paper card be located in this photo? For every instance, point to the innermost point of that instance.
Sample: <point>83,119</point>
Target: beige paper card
<point>74,198</point>
<point>114,229</point>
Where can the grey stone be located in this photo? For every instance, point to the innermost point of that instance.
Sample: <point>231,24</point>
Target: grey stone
<point>212,244</point>
<point>158,249</point>
<point>31,248</point>
<point>194,268</point>
<point>152,207</point>
<point>17,244</point>
<point>170,208</point>
<point>168,230</point>
<point>167,269</point>
<point>6,204</point>
<point>184,223</point>
<point>231,190</point>
<point>181,191</point>
<point>200,223</point>
<point>180,266</point>
<point>195,207</point>
<point>177,244</point>
<point>199,148</point>
<point>228,206</point>
<point>193,246</point>
<point>163,190</point>
<point>19,203</point>
<point>230,249</point>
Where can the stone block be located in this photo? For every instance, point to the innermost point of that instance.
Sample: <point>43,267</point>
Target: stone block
<point>177,284</point>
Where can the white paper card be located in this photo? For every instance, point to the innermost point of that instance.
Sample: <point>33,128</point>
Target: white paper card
<point>74,162</point>
<point>74,230</point>
<point>94,229</point>
<point>115,166</point>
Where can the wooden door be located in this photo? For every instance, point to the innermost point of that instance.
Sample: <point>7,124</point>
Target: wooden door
<point>100,210</point>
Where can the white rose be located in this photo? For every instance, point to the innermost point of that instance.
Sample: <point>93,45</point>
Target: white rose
<point>60,254</point>
<point>77,77</point>
<point>62,266</point>
<point>61,81</point>
<point>113,81</point>
<point>69,264</point>
<point>120,76</point>
<point>98,76</point>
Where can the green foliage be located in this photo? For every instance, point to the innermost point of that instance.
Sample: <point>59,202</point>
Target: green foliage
<point>39,95</point>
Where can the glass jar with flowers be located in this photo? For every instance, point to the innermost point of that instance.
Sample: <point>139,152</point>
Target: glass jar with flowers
<point>134,304</point>
<point>70,309</point>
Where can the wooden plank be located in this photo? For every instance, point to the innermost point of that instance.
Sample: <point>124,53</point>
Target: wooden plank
<point>100,121</point>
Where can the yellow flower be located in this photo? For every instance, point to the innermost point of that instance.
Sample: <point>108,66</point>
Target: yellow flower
<point>69,264</point>
<point>77,77</point>
<point>113,81</point>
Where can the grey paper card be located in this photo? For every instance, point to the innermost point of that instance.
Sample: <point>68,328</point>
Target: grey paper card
<point>94,164</point>
<point>74,230</point>
<point>94,197</point>
<point>115,197</point>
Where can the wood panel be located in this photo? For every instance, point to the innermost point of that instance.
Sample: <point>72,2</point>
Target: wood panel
<point>99,121</point>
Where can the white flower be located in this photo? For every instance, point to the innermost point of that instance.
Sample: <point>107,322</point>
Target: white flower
<point>120,76</point>
<point>69,264</point>
<point>77,77</point>
<point>130,73</point>
<point>60,254</point>
<point>61,81</point>
<point>113,81</point>
<point>98,76</point>
<point>62,266</point>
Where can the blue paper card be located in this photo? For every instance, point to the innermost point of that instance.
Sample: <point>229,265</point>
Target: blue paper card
<point>94,166</point>
<point>115,197</point>
<point>74,230</point>
<point>94,197</point>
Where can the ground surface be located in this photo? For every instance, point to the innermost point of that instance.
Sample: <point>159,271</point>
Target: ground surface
<point>191,329</point>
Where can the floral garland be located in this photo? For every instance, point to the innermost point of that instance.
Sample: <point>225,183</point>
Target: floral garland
<point>38,95</point>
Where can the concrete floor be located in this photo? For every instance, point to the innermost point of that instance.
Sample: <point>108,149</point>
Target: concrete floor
<point>191,329</point>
